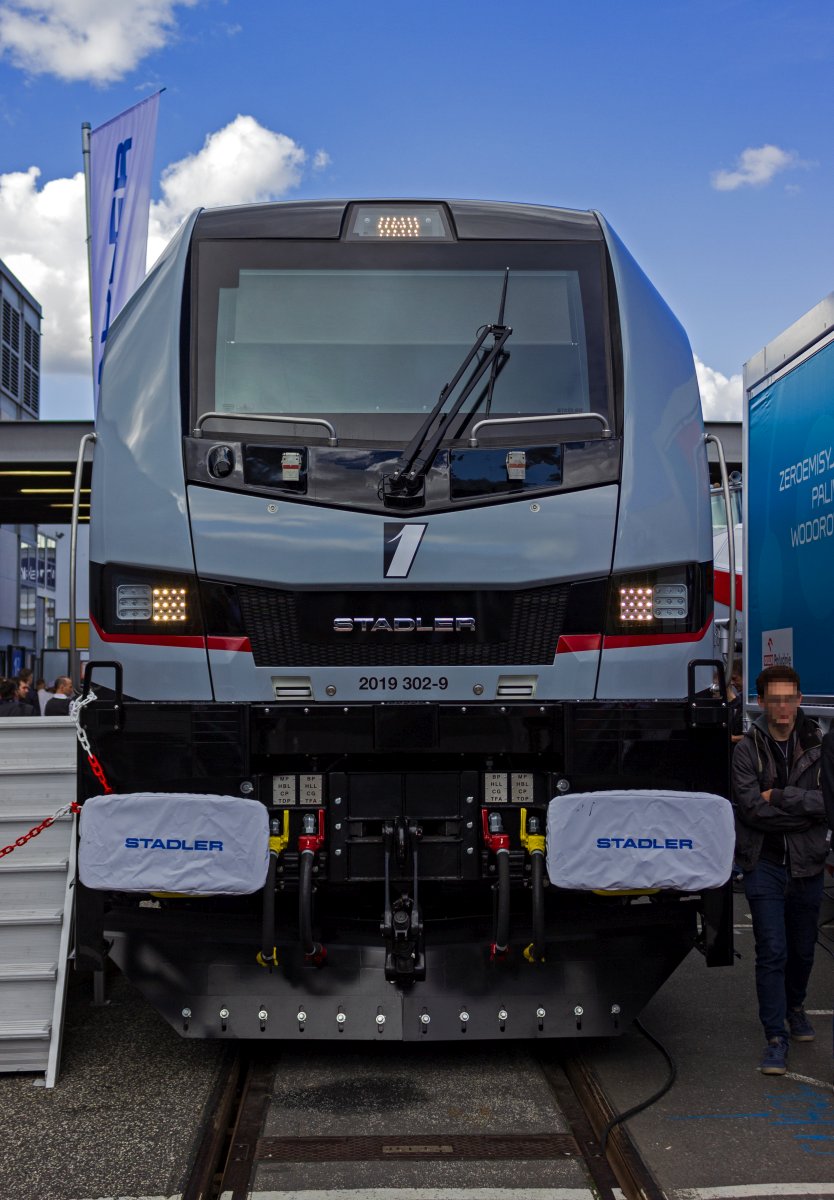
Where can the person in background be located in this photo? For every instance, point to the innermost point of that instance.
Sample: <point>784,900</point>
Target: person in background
<point>63,690</point>
<point>827,774</point>
<point>25,694</point>
<point>42,694</point>
<point>10,705</point>
<point>781,845</point>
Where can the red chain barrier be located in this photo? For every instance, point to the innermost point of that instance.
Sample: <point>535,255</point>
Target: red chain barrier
<point>74,807</point>
<point>98,771</point>
<point>27,837</point>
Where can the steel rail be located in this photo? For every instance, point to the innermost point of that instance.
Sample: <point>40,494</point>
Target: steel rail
<point>232,1145</point>
<point>227,1141</point>
<point>213,1144</point>
<point>634,1177</point>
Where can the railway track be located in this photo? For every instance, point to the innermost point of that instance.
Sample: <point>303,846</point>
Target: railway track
<point>233,1145</point>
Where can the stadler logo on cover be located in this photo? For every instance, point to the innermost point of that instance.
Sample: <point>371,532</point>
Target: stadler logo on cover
<point>777,648</point>
<point>644,843</point>
<point>147,843</point>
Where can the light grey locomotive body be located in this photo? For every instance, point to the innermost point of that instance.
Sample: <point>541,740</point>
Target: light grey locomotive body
<point>402,643</point>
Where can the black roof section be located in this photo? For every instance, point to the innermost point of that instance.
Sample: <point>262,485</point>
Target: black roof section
<point>473,219</point>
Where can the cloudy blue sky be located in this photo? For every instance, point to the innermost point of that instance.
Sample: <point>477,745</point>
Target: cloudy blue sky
<point>701,130</point>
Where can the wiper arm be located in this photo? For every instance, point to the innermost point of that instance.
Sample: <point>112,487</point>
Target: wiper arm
<point>403,485</point>
<point>498,363</point>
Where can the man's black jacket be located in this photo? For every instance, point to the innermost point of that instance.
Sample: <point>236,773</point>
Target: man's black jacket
<point>795,810</point>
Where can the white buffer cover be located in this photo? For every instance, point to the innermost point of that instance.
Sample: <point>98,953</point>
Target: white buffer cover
<point>174,842</point>
<point>640,839</point>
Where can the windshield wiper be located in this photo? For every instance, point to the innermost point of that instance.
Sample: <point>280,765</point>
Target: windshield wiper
<point>405,485</point>
<point>498,363</point>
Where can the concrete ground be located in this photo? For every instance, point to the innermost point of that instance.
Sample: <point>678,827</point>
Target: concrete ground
<point>724,1124</point>
<point>122,1120</point>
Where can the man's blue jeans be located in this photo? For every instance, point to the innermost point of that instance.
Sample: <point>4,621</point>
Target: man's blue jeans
<point>785,914</point>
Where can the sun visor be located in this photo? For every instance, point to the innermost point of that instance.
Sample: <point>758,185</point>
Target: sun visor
<point>174,842</point>
<point>615,841</point>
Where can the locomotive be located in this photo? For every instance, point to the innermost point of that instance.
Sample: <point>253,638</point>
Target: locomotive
<point>400,545</point>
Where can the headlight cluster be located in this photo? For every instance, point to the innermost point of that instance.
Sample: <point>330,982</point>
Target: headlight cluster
<point>146,602</point>
<point>660,602</point>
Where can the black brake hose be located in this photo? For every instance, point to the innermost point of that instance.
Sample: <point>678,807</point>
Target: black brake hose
<point>305,902</point>
<point>502,932</point>
<point>638,1108</point>
<point>537,871</point>
<point>268,918</point>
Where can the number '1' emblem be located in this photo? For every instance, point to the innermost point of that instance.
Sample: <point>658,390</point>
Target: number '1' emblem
<point>401,545</point>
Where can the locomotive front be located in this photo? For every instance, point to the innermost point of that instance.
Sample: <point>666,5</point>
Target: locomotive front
<point>401,538</point>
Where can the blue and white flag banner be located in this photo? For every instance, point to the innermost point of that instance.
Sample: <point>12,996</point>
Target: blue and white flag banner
<point>121,161</point>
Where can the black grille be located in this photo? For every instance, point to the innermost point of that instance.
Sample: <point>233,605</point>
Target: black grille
<point>530,624</point>
<point>217,738</point>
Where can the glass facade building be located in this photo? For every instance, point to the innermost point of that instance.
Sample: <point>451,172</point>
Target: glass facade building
<point>27,554</point>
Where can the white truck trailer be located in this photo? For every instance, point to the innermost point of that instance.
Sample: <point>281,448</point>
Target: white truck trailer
<point>789,508</point>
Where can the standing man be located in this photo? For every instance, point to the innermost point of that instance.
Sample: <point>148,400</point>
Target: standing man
<point>24,692</point>
<point>10,706</point>
<point>828,788</point>
<point>781,845</point>
<point>58,706</point>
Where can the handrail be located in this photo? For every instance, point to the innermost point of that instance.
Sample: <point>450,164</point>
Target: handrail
<point>88,438</point>
<point>521,420</point>
<point>731,549</point>
<point>227,416</point>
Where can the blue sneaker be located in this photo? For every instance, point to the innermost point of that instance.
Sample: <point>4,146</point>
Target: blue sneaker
<point>801,1028</point>
<point>775,1058</point>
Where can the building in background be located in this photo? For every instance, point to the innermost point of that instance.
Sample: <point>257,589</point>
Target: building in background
<point>27,552</point>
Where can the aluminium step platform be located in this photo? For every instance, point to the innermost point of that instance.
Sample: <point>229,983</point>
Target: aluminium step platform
<point>37,777</point>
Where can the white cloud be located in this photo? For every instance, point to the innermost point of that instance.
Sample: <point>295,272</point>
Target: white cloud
<point>94,40</point>
<point>720,397</point>
<point>321,159</point>
<point>243,163</point>
<point>43,231</point>
<point>42,241</point>
<point>755,167</point>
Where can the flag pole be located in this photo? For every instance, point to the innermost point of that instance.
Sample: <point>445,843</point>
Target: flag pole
<point>85,154</point>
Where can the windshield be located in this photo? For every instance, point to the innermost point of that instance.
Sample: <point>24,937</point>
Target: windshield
<point>382,340</point>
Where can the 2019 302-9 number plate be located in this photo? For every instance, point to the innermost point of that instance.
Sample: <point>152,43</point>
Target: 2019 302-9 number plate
<point>403,683</point>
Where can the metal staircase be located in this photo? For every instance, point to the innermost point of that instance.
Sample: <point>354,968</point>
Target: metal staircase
<point>37,777</point>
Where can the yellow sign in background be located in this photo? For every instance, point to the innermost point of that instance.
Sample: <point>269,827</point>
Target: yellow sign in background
<point>82,635</point>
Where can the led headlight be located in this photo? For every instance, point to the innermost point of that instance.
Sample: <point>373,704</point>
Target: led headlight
<point>402,221</point>
<point>636,603</point>
<point>398,226</point>
<point>148,602</point>
<point>658,602</point>
<point>673,599</point>
<point>170,604</point>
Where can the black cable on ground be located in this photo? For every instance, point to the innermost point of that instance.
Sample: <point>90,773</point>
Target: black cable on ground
<point>638,1108</point>
<point>822,938</point>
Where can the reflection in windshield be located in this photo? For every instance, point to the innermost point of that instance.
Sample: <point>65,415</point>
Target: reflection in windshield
<point>349,341</point>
